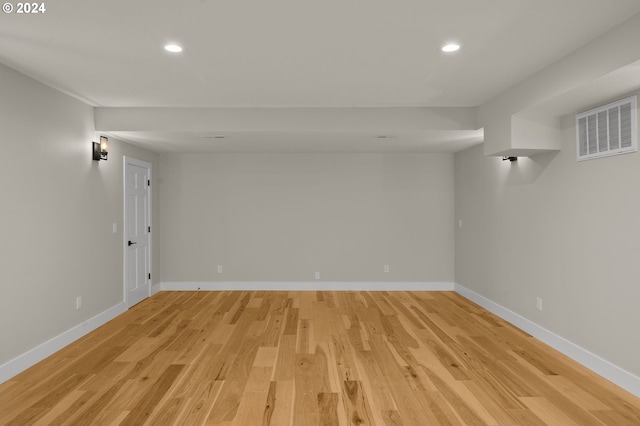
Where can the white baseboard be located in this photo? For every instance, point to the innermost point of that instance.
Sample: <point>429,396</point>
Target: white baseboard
<point>305,286</point>
<point>601,366</point>
<point>155,288</point>
<point>20,363</point>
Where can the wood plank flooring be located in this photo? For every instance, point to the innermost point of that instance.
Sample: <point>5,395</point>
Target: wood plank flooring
<point>311,358</point>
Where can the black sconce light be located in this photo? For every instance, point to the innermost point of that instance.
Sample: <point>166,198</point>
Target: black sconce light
<point>505,158</point>
<point>101,150</point>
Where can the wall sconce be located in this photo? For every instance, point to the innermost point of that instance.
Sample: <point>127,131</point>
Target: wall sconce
<point>101,150</point>
<point>505,158</point>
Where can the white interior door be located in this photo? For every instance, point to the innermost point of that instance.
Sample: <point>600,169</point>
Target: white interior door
<point>137,230</point>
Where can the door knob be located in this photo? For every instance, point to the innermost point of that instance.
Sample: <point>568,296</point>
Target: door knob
<point>131,243</point>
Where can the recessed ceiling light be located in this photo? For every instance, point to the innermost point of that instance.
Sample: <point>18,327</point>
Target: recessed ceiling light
<point>451,47</point>
<point>173,48</point>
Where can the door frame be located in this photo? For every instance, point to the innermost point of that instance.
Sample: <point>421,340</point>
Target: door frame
<point>145,164</point>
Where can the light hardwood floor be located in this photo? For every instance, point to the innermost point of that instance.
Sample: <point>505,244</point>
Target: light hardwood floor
<point>311,358</point>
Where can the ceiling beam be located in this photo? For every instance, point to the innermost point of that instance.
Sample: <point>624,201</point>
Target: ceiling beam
<point>578,71</point>
<point>285,119</point>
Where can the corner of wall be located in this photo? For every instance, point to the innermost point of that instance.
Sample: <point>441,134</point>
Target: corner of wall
<point>606,369</point>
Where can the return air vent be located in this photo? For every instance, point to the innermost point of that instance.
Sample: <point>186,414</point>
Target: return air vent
<point>608,130</point>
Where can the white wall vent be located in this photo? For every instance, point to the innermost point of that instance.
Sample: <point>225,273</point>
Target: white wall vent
<point>608,130</point>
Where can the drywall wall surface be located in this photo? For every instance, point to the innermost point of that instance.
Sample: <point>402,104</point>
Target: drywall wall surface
<point>284,217</point>
<point>566,231</point>
<point>57,215</point>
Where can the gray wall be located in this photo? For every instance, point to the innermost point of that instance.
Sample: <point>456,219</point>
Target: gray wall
<point>57,211</point>
<point>282,217</point>
<point>567,232</point>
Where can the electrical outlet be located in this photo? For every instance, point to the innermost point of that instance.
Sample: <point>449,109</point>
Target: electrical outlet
<point>539,303</point>
<point>386,268</point>
<point>219,269</point>
<point>317,275</point>
<point>78,302</point>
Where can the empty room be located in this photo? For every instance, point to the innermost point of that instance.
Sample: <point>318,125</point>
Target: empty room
<point>320,213</point>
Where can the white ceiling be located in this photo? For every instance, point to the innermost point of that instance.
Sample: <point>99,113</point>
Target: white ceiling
<point>291,53</point>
